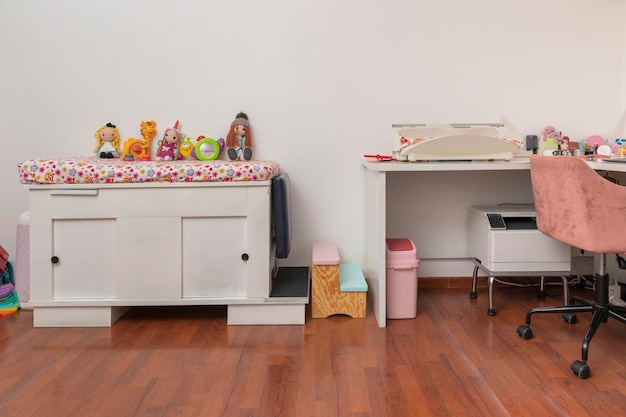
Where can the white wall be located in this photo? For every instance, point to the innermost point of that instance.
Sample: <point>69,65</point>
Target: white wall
<point>322,82</point>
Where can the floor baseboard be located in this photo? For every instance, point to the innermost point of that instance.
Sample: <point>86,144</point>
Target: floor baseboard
<point>466,282</point>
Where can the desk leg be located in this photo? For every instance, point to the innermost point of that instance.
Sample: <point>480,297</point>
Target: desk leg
<point>491,311</point>
<point>375,234</point>
<point>473,293</point>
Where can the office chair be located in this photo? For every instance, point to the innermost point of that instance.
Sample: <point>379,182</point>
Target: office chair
<point>577,206</point>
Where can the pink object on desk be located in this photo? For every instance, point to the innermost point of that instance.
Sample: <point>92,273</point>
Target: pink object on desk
<point>595,139</point>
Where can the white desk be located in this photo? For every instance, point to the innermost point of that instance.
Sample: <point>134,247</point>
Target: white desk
<point>376,190</point>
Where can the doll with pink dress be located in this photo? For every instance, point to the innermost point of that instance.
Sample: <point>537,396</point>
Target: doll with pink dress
<point>169,146</point>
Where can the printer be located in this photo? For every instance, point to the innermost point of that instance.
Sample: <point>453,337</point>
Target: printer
<point>505,238</point>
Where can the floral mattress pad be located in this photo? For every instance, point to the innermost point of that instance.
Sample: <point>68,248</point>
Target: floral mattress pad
<point>94,170</point>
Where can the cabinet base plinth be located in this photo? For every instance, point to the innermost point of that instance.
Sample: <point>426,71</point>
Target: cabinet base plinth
<point>266,314</point>
<point>77,316</point>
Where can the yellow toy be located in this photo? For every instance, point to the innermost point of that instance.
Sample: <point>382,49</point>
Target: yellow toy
<point>186,147</point>
<point>140,148</point>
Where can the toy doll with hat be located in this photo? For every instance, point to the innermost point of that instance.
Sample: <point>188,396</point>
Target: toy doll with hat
<point>239,139</point>
<point>169,146</point>
<point>107,141</point>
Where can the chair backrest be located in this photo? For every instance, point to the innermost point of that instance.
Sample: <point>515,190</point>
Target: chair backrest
<point>576,205</point>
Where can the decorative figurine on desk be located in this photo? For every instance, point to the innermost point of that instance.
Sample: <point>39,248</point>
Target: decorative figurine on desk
<point>550,140</point>
<point>169,145</point>
<point>140,148</point>
<point>239,139</point>
<point>595,142</point>
<point>107,142</point>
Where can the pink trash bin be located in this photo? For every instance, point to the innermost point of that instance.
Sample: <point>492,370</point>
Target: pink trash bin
<point>402,264</point>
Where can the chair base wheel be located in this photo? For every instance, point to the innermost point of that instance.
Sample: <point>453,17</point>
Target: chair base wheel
<point>525,332</point>
<point>570,318</point>
<point>473,294</point>
<point>580,369</point>
<point>491,311</point>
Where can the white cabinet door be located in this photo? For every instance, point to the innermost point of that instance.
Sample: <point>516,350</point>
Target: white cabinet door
<point>213,252</point>
<point>84,258</point>
<point>149,260</point>
<point>125,258</point>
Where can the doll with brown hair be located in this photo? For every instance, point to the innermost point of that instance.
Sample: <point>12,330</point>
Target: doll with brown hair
<point>107,141</point>
<point>239,139</point>
<point>169,146</point>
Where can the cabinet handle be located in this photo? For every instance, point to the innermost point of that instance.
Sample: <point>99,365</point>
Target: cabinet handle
<point>54,259</point>
<point>244,256</point>
<point>87,192</point>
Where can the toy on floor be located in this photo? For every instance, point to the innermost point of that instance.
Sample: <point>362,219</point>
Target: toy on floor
<point>139,149</point>
<point>107,142</point>
<point>169,149</point>
<point>9,300</point>
<point>239,139</point>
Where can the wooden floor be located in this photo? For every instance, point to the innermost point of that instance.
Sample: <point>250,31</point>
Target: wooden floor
<point>452,360</point>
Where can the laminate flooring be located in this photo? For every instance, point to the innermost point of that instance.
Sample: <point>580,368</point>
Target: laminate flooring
<point>451,360</point>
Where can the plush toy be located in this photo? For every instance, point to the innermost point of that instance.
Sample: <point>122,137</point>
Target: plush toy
<point>239,139</point>
<point>187,148</point>
<point>140,148</point>
<point>107,141</point>
<point>169,145</point>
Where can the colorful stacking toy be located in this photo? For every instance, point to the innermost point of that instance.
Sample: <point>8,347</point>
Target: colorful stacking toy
<point>9,301</point>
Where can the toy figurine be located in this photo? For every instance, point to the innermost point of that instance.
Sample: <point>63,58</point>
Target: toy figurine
<point>169,146</point>
<point>208,149</point>
<point>140,148</point>
<point>239,139</point>
<point>186,148</point>
<point>550,139</point>
<point>107,141</point>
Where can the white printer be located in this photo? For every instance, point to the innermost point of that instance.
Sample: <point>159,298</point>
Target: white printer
<point>505,238</point>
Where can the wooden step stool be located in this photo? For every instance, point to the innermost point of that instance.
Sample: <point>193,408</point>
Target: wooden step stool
<point>336,288</point>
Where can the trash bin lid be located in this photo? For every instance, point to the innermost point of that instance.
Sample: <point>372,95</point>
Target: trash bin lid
<point>401,253</point>
<point>396,245</point>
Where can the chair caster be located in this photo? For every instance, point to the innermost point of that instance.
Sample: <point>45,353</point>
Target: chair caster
<point>525,332</point>
<point>581,369</point>
<point>570,318</point>
<point>491,311</point>
<point>473,294</point>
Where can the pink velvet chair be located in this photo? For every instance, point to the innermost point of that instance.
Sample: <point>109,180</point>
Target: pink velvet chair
<point>576,205</point>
